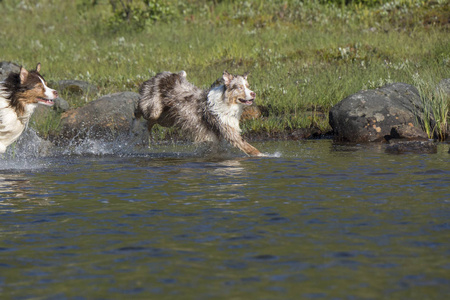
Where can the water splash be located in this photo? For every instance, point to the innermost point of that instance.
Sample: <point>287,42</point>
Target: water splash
<point>28,145</point>
<point>276,154</point>
<point>19,164</point>
<point>92,142</point>
<point>32,152</point>
<point>94,147</point>
<point>25,153</point>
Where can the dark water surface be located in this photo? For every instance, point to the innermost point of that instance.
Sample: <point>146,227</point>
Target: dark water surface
<point>316,221</point>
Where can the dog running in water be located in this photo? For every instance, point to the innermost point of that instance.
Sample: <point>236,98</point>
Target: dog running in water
<point>208,116</point>
<point>20,93</point>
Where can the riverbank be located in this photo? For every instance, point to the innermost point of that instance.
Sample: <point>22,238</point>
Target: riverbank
<point>303,58</point>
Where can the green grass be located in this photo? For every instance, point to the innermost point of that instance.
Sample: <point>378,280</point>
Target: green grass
<point>303,57</point>
<point>436,108</point>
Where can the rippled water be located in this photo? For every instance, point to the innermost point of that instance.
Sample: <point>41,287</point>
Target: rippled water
<point>321,221</point>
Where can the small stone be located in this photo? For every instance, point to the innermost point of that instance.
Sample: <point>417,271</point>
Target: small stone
<point>61,105</point>
<point>76,87</point>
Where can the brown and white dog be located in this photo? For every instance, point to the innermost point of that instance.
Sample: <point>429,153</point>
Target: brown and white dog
<point>208,116</point>
<point>20,93</point>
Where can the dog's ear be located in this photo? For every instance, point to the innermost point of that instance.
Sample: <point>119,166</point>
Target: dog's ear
<point>38,67</point>
<point>23,74</point>
<point>182,73</point>
<point>246,75</point>
<point>227,77</point>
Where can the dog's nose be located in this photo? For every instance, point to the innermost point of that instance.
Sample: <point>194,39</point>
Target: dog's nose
<point>55,93</point>
<point>253,94</point>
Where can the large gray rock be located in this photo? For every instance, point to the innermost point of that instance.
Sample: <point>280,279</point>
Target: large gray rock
<point>109,118</point>
<point>369,116</point>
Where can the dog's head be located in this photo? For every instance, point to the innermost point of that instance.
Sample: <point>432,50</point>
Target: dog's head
<point>28,88</point>
<point>35,89</point>
<point>237,89</point>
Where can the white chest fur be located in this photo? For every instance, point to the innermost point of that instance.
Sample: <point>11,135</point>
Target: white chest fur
<point>12,126</point>
<point>228,114</point>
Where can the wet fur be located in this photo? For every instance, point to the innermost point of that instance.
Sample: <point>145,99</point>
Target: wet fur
<point>20,94</point>
<point>208,116</point>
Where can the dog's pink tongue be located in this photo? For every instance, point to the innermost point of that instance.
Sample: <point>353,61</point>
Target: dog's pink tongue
<point>246,102</point>
<point>47,102</point>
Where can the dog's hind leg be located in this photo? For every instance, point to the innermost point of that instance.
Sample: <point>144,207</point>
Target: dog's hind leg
<point>151,119</point>
<point>154,110</point>
<point>152,114</point>
<point>150,124</point>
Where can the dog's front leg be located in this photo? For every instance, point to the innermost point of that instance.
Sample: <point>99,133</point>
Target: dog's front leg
<point>248,149</point>
<point>234,137</point>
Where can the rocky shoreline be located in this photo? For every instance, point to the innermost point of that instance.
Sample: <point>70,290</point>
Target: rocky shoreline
<point>393,114</point>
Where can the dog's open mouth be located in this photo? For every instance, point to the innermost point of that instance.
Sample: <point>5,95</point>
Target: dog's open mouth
<point>45,101</point>
<point>246,102</point>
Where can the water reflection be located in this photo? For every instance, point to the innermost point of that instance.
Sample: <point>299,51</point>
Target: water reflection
<point>229,168</point>
<point>11,186</point>
<point>352,147</point>
<point>188,181</point>
<point>18,191</point>
<point>12,189</point>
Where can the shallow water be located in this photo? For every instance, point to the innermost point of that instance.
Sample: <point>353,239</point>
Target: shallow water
<point>316,221</point>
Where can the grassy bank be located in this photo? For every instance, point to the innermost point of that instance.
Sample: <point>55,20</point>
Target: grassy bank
<point>303,57</point>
